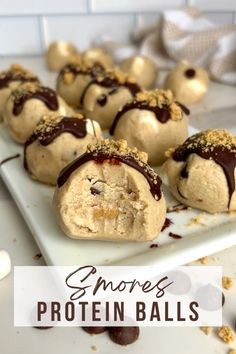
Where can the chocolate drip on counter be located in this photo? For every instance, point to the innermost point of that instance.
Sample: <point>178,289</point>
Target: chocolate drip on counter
<point>9,77</point>
<point>220,154</point>
<point>44,94</point>
<point>162,114</point>
<point>99,157</point>
<point>113,83</point>
<point>75,126</point>
<point>166,224</point>
<point>9,159</point>
<point>175,236</point>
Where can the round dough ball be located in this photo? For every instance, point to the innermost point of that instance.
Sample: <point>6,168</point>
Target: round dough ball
<point>57,141</point>
<point>201,172</point>
<point>153,123</point>
<point>25,107</point>
<point>142,69</point>
<point>105,96</point>
<point>74,78</point>
<point>188,82</point>
<point>110,194</point>
<point>98,55</point>
<point>58,54</point>
<point>10,79</point>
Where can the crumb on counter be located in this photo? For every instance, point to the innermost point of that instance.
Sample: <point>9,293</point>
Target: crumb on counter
<point>196,220</point>
<point>93,348</point>
<point>226,334</point>
<point>37,256</point>
<point>227,282</point>
<point>206,329</point>
<point>203,260</point>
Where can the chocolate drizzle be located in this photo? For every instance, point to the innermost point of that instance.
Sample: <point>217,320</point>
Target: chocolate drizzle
<point>44,94</point>
<point>113,83</point>
<point>75,126</point>
<point>162,114</point>
<point>8,77</point>
<point>9,159</point>
<point>222,155</point>
<point>99,157</point>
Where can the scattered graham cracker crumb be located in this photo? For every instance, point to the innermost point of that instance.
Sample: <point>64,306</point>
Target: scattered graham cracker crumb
<point>196,220</point>
<point>37,256</point>
<point>226,334</point>
<point>207,330</point>
<point>93,348</point>
<point>14,240</point>
<point>227,282</point>
<point>203,260</point>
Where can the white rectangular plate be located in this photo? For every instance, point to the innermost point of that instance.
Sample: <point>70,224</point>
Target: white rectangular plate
<point>210,234</point>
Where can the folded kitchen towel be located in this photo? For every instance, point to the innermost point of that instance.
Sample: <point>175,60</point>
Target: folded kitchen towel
<point>187,34</point>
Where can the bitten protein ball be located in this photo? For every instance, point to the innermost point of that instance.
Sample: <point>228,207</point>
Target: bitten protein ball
<point>142,69</point>
<point>25,107</point>
<point>58,54</point>
<point>98,55</point>
<point>153,122</point>
<point>55,142</point>
<point>188,82</point>
<point>110,193</point>
<point>201,172</point>
<point>106,94</point>
<point>10,79</point>
<point>75,77</point>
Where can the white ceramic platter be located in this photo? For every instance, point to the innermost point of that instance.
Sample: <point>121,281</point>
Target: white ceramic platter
<point>210,234</point>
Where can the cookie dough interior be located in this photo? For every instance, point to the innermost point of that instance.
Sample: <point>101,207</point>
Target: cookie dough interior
<point>108,200</point>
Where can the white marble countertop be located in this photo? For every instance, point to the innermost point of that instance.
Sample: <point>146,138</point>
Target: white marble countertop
<point>18,241</point>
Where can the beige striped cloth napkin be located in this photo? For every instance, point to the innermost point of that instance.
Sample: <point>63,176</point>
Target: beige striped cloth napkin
<point>187,34</point>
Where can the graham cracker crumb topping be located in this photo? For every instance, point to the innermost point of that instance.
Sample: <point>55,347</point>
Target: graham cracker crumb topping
<point>16,71</point>
<point>210,139</point>
<point>80,65</point>
<point>49,122</point>
<point>162,99</point>
<point>118,148</point>
<point>29,88</point>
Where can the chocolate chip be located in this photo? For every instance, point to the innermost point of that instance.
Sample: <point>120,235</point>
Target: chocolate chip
<point>102,100</point>
<point>123,335</point>
<point>190,73</point>
<point>94,191</point>
<point>94,330</point>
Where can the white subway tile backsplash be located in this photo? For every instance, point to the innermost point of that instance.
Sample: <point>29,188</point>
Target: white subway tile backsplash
<point>221,18</point>
<point>19,35</point>
<point>81,30</point>
<point>216,5</point>
<point>25,7</point>
<point>147,20</point>
<point>133,5</point>
<point>28,26</point>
